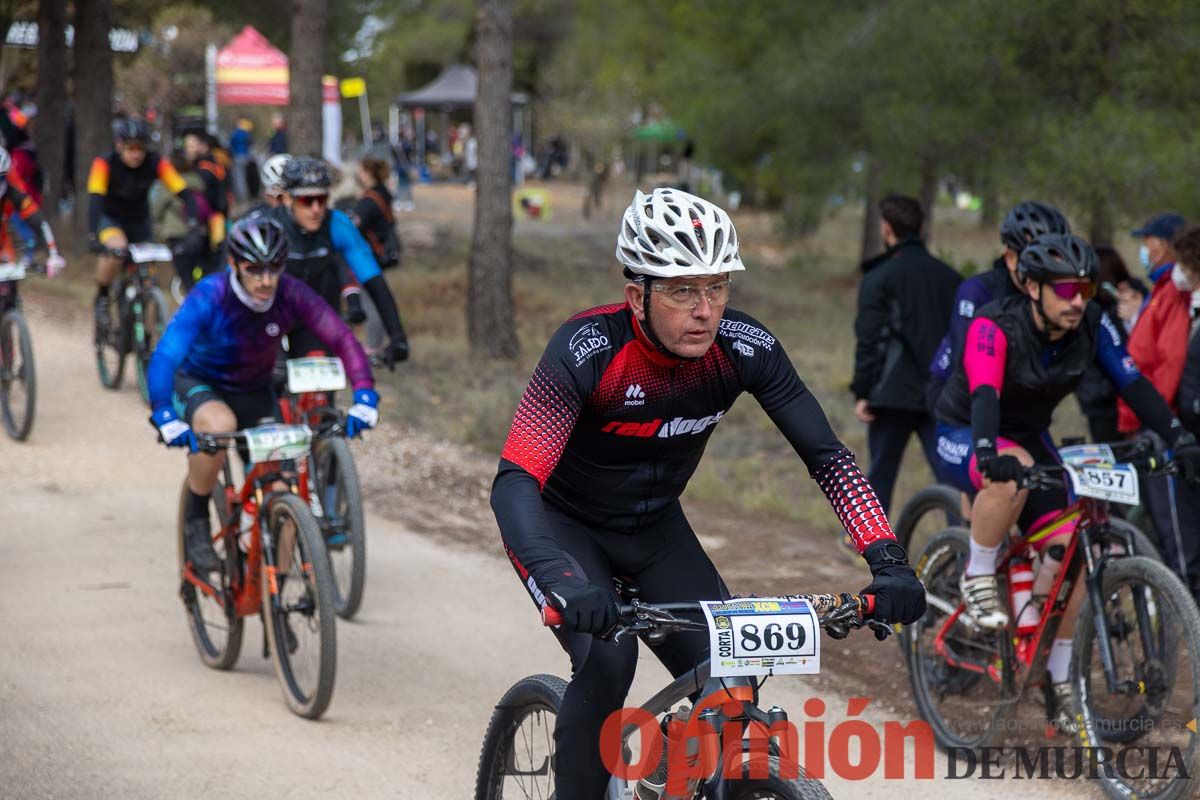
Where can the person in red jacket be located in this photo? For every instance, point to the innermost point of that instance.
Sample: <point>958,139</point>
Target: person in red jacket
<point>1158,346</point>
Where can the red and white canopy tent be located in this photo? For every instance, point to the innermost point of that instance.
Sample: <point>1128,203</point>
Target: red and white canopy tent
<point>252,71</point>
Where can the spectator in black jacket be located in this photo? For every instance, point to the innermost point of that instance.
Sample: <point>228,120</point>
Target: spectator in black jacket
<point>904,306</point>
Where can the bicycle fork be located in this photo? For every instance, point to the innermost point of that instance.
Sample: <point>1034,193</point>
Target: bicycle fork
<point>1094,580</point>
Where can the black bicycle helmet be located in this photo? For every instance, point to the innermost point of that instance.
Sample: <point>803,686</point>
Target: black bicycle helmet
<point>257,240</point>
<point>1029,220</point>
<point>130,129</point>
<point>1054,256</point>
<point>306,175</point>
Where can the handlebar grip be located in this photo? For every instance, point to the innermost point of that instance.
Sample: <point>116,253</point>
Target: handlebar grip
<point>551,616</point>
<point>869,600</point>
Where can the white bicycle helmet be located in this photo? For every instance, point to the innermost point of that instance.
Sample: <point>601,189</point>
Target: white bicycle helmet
<point>272,172</point>
<point>5,162</point>
<point>670,233</point>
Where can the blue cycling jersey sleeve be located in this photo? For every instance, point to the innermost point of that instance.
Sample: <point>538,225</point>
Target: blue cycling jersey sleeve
<point>353,247</point>
<point>322,320</point>
<point>177,340</point>
<point>1112,356</point>
<point>973,294</point>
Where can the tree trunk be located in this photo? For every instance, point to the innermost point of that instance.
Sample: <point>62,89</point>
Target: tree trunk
<point>989,214</point>
<point>1100,223</point>
<point>872,239</point>
<point>306,67</point>
<point>929,190</point>
<point>93,91</point>
<point>50,131</point>
<point>490,323</point>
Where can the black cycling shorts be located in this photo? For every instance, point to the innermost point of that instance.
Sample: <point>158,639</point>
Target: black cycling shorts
<point>135,231</point>
<point>668,564</point>
<point>250,408</point>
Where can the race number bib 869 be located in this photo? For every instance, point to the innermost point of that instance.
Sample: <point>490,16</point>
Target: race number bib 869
<point>763,636</point>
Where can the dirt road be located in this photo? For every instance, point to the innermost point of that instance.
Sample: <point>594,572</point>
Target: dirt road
<point>102,694</point>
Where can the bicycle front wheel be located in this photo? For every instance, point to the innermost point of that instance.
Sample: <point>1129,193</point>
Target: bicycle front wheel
<point>215,628</point>
<point>517,760</point>
<point>335,481</point>
<point>928,512</point>
<point>110,344</point>
<point>18,381</point>
<point>962,674</point>
<point>1153,629</point>
<point>298,608</point>
<point>148,330</point>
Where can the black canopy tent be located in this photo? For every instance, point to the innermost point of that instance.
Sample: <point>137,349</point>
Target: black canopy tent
<point>453,90</point>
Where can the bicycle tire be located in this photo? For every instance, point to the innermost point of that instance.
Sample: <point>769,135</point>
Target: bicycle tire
<point>348,593</point>
<point>931,500</point>
<point>938,567</point>
<point>536,694</point>
<point>1143,545</point>
<point>151,334</point>
<point>308,704</point>
<point>110,354</point>
<point>213,652</point>
<point>774,786</point>
<point>1177,605</point>
<point>17,421</point>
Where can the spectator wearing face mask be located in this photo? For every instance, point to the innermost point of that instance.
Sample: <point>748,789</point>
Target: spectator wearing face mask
<point>1159,347</point>
<point>1156,251</point>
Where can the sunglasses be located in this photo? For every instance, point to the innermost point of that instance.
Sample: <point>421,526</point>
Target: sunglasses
<point>1067,290</point>
<point>310,200</point>
<point>262,270</point>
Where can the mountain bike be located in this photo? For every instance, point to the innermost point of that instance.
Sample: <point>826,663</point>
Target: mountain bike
<point>137,315</point>
<point>1134,645</point>
<point>334,492</point>
<point>273,564</point>
<point>18,377</point>
<point>703,750</point>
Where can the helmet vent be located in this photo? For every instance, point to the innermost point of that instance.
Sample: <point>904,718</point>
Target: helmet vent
<point>718,240</point>
<point>698,227</point>
<point>691,248</point>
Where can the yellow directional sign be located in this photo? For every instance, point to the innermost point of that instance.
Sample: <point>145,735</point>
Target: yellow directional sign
<point>353,87</point>
<point>1191,726</point>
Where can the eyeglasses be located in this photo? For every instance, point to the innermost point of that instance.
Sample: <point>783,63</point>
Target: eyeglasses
<point>310,200</point>
<point>686,298</point>
<point>258,270</point>
<point>1068,289</point>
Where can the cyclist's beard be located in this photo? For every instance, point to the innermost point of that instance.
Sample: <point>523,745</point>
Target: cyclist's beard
<point>1049,326</point>
<point>243,294</point>
<point>649,327</point>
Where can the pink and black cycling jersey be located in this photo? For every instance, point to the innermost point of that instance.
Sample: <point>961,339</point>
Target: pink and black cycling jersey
<point>610,430</point>
<point>1030,373</point>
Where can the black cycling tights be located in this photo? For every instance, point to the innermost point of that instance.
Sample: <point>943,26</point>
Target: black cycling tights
<point>668,565</point>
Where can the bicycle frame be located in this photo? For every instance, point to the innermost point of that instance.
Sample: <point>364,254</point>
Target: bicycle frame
<point>1033,649</point>
<point>245,580</point>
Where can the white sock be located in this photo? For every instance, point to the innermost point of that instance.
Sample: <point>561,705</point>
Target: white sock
<point>983,560</point>
<point>1059,662</point>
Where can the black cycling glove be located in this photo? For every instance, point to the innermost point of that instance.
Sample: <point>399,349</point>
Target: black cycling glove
<point>355,313</point>
<point>1001,469</point>
<point>585,607</point>
<point>1187,457</point>
<point>899,596</point>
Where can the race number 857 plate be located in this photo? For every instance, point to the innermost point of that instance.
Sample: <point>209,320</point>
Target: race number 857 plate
<point>763,636</point>
<point>1117,483</point>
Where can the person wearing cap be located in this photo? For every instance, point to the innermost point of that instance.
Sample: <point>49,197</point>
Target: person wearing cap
<point>1157,252</point>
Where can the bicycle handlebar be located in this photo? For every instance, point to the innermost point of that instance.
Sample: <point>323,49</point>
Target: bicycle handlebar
<point>838,615</point>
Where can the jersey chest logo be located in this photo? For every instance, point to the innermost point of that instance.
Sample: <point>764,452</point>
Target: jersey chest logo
<point>587,341</point>
<point>272,330</point>
<point>657,428</point>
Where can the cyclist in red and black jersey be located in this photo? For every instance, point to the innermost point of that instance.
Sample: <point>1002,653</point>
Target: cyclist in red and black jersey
<point>15,200</point>
<point>608,433</point>
<point>118,199</point>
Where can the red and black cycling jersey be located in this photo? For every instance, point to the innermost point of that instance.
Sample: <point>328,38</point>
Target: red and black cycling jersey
<point>610,429</point>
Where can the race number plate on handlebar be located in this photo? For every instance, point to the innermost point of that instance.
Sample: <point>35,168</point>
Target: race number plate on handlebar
<point>12,272</point>
<point>278,442</point>
<point>149,253</point>
<point>763,636</point>
<point>315,375</point>
<point>1095,473</point>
